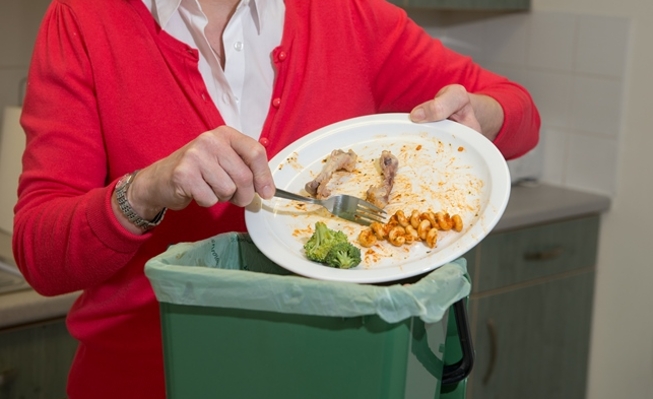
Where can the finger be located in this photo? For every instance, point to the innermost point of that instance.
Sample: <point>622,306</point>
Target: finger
<point>222,168</point>
<point>253,154</point>
<point>459,106</point>
<point>466,117</point>
<point>219,180</point>
<point>197,172</point>
<point>449,100</point>
<point>188,183</point>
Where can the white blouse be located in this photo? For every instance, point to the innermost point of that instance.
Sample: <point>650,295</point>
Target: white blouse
<point>243,90</point>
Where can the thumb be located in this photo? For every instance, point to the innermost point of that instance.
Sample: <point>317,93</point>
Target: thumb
<point>449,100</point>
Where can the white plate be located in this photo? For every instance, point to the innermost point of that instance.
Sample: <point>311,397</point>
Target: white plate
<point>442,166</point>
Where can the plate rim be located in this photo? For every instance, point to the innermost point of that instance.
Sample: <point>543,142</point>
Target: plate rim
<point>383,275</point>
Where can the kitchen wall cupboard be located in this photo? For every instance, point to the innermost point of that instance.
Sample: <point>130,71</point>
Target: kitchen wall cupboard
<point>530,310</point>
<point>34,361</point>
<point>479,5</point>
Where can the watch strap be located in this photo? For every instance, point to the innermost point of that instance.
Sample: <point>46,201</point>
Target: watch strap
<point>128,211</point>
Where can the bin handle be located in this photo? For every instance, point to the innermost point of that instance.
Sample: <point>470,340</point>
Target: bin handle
<point>454,373</point>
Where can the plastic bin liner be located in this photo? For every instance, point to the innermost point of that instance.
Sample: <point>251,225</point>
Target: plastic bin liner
<point>211,273</point>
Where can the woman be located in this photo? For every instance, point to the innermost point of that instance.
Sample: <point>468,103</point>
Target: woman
<point>196,96</point>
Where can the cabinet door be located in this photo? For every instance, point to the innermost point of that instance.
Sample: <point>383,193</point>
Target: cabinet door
<point>533,342</point>
<point>527,254</point>
<point>496,5</point>
<point>35,361</point>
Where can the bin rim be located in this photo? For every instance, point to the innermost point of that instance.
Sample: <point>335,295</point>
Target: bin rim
<point>207,282</point>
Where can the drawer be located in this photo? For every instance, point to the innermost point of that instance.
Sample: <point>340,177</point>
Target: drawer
<point>517,256</point>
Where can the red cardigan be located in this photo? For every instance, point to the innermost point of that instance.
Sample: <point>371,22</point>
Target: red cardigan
<point>110,92</point>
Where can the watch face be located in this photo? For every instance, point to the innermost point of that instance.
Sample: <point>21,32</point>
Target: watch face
<point>123,180</point>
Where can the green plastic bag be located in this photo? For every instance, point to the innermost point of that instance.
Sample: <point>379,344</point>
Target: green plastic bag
<point>228,271</point>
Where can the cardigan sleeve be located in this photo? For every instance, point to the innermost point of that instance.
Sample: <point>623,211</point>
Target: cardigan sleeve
<point>65,236</point>
<point>413,67</point>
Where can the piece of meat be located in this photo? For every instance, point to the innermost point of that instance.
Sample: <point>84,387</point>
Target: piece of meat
<point>338,160</point>
<point>380,195</point>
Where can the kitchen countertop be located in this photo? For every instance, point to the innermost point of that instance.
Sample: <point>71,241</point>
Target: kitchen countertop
<point>532,204</point>
<point>24,305</point>
<point>528,205</point>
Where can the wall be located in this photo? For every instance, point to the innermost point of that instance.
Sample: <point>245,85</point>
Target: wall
<point>574,66</point>
<point>622,342</point>
<point>588,65</point>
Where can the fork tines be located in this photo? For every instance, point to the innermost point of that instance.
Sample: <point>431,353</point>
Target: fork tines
<point>368,213</point>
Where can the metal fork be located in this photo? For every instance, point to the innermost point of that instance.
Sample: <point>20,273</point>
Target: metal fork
<point>344,206</point>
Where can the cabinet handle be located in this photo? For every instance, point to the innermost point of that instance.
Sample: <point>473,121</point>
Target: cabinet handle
<point>544,255</point>
<point>494,349</point>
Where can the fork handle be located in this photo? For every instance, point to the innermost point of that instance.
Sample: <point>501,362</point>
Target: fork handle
<point>292,196</point>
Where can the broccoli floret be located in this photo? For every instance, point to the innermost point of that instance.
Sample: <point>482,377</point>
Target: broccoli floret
<point>317,247</point>
<point>343,255</point>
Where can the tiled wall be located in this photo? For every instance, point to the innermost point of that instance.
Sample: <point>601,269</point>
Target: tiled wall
<point>573,65</point>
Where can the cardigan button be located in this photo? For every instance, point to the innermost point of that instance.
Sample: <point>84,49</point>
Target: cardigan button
<point>264,142</point>
<point>282,55</point>
<point>276,102</point>
<point>192,53</point>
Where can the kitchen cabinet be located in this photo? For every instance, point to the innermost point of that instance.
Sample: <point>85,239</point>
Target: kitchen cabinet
<point>34,360</point>
<point>479,5</point>
<point>530,310</point>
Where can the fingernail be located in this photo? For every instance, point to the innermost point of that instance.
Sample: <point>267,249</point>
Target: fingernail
<point>267,192</point>
<point>418,115</point>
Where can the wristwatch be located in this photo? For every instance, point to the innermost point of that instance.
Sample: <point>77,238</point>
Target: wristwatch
<point>126,208</point>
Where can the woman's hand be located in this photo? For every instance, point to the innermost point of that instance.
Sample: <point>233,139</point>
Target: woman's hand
<point>221,165</point>
<point>479,112</point>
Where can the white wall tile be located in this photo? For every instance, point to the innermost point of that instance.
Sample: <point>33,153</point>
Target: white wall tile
<point>551,41</point>
<point>591,163</point>
<point>554,142</point>
<point>551,92</point>
<point>529,166</point>
<point>505,39</point>
<point>602,45</point>
<point>596,105</point>
<point>460,31</point>
<point>465,38</point>
<point>515,73</point>
<point>573,65</point>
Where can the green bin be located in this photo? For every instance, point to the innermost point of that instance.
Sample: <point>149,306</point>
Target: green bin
<point>237,326</point>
